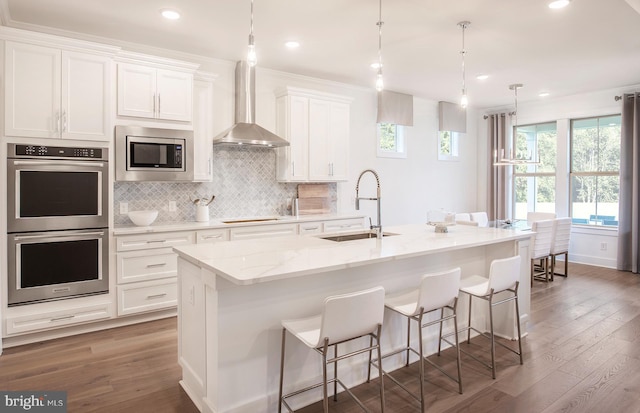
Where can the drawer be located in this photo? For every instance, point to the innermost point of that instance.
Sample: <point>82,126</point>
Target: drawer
<point>134,266</point>
<point>209,236</point>
<point>58,318</point>
<point>343,225</point>
<point>147,296</point>
<point>310,228</point>
<point>147,241</point>
<point>264,231</point>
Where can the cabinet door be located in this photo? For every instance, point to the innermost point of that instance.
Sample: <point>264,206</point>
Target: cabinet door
<point>319,134</point>
<point>136,91</point>
<point>85,96</point>
<point>32,95</point>
<point>338,142</point>
<point>202,130</point>
<point>293,124</point>
<point>175,95</point>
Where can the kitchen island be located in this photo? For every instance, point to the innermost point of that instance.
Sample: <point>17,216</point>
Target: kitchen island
<point>232,296</point>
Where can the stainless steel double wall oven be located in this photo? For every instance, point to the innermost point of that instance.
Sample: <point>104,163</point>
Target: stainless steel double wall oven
<point>57,222</point>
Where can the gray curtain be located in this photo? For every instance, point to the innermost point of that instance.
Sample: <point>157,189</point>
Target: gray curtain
<point>497,196</point>
<point>629,203</point>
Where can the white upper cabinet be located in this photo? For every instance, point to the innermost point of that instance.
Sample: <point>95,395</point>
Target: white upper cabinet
<point>53,93</point>
<point>317,126</point>
<point>292,123</point>
<point>148,92</point>
<point>202,130</point>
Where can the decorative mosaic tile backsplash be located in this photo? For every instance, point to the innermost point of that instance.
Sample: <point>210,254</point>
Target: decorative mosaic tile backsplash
<point>243,182</point>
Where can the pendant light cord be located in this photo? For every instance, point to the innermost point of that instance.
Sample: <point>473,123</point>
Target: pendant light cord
<point>379,80</point>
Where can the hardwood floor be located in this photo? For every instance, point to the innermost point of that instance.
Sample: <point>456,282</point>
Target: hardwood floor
<point>582,354</point>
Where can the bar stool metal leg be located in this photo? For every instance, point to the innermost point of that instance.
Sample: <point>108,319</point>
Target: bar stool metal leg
<point>284,333</point>
<point>408,339</point>
<point>421,355</point>
<point>325,400</point>
<point>518,323</point>
<point>493,338</point>
<point>469,325</point>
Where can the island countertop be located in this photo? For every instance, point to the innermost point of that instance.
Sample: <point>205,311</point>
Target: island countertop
<point>254,261</point>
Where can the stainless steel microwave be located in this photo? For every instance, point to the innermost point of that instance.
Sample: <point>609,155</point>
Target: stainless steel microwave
<point>150,154</point>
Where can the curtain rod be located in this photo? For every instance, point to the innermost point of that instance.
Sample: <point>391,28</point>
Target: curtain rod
<point>617,98</point>
<point>501,114</point>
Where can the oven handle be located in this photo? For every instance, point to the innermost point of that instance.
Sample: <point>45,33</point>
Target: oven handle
<point>61,163</point>
<point>51,235</point>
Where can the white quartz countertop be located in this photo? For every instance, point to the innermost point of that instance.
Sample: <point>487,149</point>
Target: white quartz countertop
<point>254,261</point>
<point>131,229</point>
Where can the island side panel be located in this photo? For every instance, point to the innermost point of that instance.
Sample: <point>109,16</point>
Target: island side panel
<point>243,326</point>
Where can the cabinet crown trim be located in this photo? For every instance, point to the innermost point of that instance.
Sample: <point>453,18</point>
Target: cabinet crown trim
<point>155,61</point>
<point>309,93</point>
<point>59,42</point>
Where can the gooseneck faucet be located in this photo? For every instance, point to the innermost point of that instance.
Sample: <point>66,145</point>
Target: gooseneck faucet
<point>378,227</point>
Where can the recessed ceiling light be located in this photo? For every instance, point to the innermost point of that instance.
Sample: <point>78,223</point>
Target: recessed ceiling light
<point>170,14</point>
<point>482,77</point>
<point>375,65</point>
<point>543,94</point>
<point>558,4</point>
<point>292,44</point>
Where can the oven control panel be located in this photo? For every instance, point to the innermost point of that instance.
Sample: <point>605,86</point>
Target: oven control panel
<point>59,152</point>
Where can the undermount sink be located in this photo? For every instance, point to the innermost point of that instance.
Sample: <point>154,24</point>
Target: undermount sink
<point>352,237</point>
<point>243,221</point>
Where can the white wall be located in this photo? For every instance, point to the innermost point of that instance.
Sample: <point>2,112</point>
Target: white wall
<point>411,186</point>
<point>596,246</point>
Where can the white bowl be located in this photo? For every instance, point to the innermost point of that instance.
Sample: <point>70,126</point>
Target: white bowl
<point>143,218</point>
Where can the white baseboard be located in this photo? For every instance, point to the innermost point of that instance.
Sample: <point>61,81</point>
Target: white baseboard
<point>597,261</point>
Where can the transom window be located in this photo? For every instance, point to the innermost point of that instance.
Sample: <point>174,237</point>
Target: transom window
<point>391,142</point>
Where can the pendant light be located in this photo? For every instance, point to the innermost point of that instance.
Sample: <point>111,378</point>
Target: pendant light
<point>464,101</point>
<point>252,58</point>
<point>379,81</point>
<point>515,158</point>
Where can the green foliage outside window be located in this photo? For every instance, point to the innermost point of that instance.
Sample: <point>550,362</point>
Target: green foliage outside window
<point>445,143</point>
<point>388,141</point>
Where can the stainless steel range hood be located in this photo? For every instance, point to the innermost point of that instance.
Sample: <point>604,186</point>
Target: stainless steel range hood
<point>245,131</point>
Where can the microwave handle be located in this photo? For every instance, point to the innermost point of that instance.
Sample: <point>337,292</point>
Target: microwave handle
<point>63,163</point>
<point>66,234</point>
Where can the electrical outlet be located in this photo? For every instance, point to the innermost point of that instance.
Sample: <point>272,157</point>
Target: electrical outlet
<point>172,206</point>
<point>603,246</point>
<point>124,207</point>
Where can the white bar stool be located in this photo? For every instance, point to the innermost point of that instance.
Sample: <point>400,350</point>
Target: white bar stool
<point>344,317</point>
<point>503,276</point>
<point>437,291</point>
<point>560,244</point>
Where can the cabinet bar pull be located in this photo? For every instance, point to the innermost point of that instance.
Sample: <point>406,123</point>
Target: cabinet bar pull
<point>64,121</point>
<point>218,236</point>
<point>151,297</point>
<point>160,264</point>
<point>154,103</point>
<point>157,241</point>
<point>64,317</point>
<point>159,104</point>
<point>310,228</point>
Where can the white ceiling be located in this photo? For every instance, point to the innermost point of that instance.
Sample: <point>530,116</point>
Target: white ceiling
<point>590,45</point>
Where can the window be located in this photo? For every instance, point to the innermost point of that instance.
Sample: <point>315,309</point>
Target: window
<point>448,145</point>
<point>535,184</point>
<point>391,141</point>
<point>595,170</point>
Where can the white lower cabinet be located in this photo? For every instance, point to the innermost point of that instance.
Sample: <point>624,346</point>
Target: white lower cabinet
<point>147,269</point>
<point>147,296</point>
<point>47,319</point>
<point>343,225</point>
<point>263,231</point>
